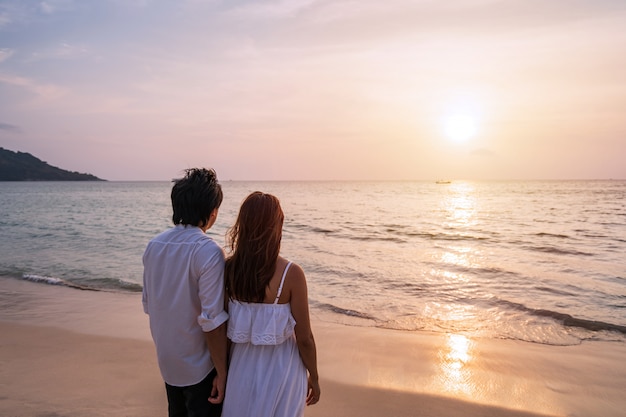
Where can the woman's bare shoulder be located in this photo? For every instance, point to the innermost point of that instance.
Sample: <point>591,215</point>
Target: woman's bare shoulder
<point>294,268</point>
<point>295,275</point>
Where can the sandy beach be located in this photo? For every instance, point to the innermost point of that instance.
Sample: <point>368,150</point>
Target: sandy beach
<point>66,353</point>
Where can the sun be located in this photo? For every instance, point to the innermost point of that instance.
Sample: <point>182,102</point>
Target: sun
<point>460,127</point>
<point>461,114</point>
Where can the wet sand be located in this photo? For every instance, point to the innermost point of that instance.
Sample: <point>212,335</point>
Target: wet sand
<point>66,353</point>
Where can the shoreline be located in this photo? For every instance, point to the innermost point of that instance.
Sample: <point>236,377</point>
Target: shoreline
<point>69,353</point>
<point>76,374</point>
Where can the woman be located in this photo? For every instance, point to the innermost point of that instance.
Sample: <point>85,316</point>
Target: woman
<point>269,327</point>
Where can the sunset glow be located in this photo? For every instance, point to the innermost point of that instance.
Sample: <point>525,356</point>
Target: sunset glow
<point>277,90</point>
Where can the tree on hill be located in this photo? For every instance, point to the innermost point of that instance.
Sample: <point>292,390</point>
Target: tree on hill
<point>22,166</point>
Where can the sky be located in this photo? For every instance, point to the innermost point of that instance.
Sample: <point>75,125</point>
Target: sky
<point>317,89</point>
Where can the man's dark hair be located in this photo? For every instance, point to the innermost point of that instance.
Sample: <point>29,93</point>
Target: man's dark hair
<point>195,196</point>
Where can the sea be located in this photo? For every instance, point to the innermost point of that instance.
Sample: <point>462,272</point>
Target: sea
<point>537,261</point>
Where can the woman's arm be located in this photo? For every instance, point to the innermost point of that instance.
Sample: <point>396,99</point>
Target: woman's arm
<point>304,336</point>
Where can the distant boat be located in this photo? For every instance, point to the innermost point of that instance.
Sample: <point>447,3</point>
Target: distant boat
<point>443,182</point>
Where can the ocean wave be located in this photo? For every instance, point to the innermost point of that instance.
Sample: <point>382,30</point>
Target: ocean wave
<point>405,237</point>
<point>555,291</point>
<point>94,285</point>
<point>322,230</point>
<point>55,281</point>
<point>116,284</point>
<point>446,236</point>
<point>565,319</point>
<point>556,235</point>
<point>571,321</point>
<point>386,233</point>
<point>473,270</point>
<point>376,238</point>
<point>344,311</point>
<point>557,251</point>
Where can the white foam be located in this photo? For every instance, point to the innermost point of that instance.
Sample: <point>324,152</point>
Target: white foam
<point>46,280</point>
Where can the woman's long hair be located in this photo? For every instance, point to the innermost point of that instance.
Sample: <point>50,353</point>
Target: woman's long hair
<point>254,241</point>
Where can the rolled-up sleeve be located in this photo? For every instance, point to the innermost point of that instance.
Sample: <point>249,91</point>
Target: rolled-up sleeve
<point>211,288</point>
<point>211,323</point>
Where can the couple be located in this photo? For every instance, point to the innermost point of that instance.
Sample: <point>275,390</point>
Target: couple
<point>266,315</point>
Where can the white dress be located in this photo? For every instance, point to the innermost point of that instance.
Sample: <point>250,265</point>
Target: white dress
<point>266,376</point>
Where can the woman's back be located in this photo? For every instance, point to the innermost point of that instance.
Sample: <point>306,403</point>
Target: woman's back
<point>267,323</point>
<point>269,319</point>
<point>266,375</point>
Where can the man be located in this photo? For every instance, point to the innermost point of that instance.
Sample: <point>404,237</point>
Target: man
<point>183,293</point>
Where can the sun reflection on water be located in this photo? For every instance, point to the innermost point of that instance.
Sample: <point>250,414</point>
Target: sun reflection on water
<point>454,360</point>
<point>460,204</point>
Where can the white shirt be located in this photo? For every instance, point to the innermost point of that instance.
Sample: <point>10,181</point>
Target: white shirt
<point>183,293</point>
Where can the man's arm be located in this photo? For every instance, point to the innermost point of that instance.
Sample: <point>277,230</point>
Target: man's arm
<point>216,341</point>
<point>213,317</point>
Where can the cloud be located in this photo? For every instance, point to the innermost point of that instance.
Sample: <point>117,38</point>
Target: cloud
<point>20,11</point>
<point>4,19</point>
<point>5,53</point>
<point>9,127</point>
<point>46,7</point>
<point>133,3</point>
<point>272,9</point>
<point>63,50</point>
<point>42,91</point>
<point>364,22</point>
<point>53,6</point>
<point>8,13</point>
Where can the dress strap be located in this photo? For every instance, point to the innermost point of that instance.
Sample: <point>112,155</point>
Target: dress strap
<point>282,281</point>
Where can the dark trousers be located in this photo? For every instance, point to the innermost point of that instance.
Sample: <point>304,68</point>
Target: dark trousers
<point>193,401</point>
